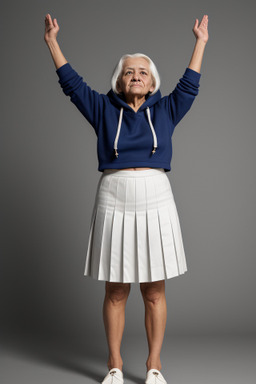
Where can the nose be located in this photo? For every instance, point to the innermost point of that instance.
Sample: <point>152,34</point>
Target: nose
<point>136,76</point>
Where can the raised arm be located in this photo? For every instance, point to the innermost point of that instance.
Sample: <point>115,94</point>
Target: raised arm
<point>50,37</point>
<point>183,96</point>
<point>88,101</point>
<point>201,34</point>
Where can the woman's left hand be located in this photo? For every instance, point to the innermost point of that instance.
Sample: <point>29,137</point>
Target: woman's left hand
<point>201,31</point>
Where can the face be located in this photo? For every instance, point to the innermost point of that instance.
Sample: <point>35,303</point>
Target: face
<point>136,79</point>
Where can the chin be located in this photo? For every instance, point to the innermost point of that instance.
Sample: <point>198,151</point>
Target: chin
<point>136,91</point>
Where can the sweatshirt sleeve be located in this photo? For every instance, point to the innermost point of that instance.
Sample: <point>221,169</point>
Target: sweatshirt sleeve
<point>88,101</point>
<point>182,97</point>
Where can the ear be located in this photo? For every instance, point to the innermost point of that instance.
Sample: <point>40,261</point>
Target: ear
<point>152,88</point>
<point>119,90</point>
<point>153,85</point>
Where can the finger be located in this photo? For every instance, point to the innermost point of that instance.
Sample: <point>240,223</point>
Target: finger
<point>55,23</point>
<point>46,21</point>
<point>49,20</point>
<point>204,21</point>
<point>196,24</point>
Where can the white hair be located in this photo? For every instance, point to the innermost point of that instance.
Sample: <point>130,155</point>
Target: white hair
<point>119,67</point>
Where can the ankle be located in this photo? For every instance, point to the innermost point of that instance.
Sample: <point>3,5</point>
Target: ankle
<point>115,363</point>
<point>156,364</point>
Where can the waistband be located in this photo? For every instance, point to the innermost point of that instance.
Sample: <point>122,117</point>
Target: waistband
<point>140,173</point>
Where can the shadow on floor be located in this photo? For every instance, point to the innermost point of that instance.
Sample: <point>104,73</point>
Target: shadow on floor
<point>83,358</point>
<point>133,378</point>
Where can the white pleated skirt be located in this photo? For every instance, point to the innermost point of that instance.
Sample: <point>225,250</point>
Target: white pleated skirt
<point>135,234</point>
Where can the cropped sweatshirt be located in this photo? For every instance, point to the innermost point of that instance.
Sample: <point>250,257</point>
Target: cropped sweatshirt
<point>125,138</point>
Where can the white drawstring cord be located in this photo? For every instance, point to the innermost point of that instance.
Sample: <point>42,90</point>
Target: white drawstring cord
<point>153,131</point>
<point>118,131</point>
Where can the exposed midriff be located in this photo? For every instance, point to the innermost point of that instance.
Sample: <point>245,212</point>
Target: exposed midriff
<point>134,169</point>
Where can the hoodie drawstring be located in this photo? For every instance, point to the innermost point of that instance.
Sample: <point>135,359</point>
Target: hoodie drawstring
<point>119,129</point>
<point>153,131</point>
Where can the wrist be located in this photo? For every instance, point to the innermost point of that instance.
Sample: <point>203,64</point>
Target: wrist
<point>200,41</point>
<point>51,41</point>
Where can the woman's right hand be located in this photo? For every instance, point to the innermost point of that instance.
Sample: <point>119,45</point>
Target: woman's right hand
<point>51,28</point>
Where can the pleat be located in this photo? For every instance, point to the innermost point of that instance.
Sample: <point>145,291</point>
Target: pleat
<point>130,270</point>
<point>105,250</point>
<point>116,259</point>
<point>143,262</point>
<point>177,236</point>
<point>97,241</point>
<point>169,251</point>
<point>98,233</point>
<point>157,269</point>
<point>171,237</point>
<point>106,240</point>
<point>87,268</point>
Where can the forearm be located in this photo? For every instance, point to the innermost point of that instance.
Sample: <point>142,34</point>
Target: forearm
<point>197,56</point>
<point>56,53</point>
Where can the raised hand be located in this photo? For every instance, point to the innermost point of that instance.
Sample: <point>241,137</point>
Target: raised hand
<point>201,31</point>
<point>50,37</point>
<point>51,28</point>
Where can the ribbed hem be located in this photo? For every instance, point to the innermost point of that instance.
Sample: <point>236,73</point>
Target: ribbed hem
<point>64,70</point>
<point>193,75</point>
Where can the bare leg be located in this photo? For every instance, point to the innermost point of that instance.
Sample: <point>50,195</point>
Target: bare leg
<point>116,295</point>
<point>155,320</point>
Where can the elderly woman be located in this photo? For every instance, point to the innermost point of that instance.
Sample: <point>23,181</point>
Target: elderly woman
<point>135,234</point>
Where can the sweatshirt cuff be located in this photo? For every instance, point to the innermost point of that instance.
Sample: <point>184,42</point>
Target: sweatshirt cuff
<point>64,70</point>
<point>192,75</point>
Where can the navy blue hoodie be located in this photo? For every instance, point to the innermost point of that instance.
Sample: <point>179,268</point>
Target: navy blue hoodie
<point>144,138</point>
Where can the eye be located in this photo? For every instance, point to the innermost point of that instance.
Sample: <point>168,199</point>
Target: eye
<point>143,73</point>
<point>128,72</point>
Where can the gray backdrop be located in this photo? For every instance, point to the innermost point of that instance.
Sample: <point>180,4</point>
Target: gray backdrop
<point>49,164</point>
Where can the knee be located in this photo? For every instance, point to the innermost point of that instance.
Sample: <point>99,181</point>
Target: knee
<point>153,292</point>
<point>117,292</point>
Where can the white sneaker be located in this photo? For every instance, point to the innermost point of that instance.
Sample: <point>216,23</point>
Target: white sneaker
<point>155,377</point>
<point>114,376</point>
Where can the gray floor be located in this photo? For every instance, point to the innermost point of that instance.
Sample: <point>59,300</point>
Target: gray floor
<point>187,360</point>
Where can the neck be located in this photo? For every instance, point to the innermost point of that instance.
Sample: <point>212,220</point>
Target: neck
<point>136,102</point>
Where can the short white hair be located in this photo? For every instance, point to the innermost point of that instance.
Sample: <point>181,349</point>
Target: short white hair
<point>119,67</point>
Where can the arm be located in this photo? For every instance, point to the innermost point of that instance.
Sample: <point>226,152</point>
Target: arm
<point>88,101</point>
<point>50,37</point>
<point>201,34</point>
<point>183,96</point>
